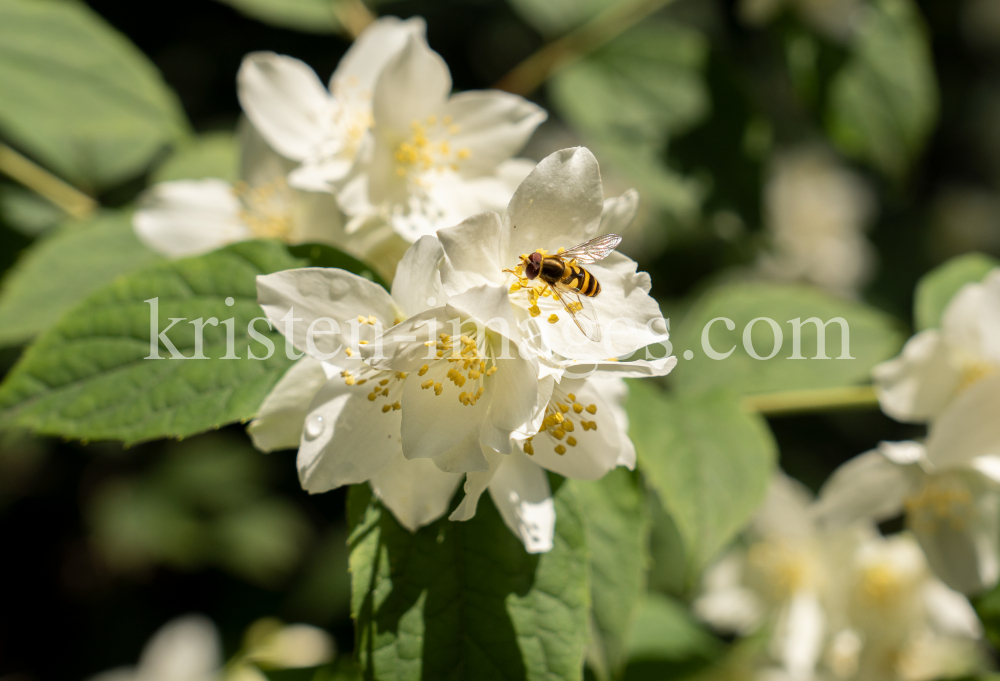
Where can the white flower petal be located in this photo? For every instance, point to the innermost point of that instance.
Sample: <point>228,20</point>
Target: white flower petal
<point>516,396</point>
<point>320,175</point>
<point>869,487</point>
<point>965,555</point>
<point>736,610</point>
<point>521,492</point>
<point>185,649</point>
<point>279,421</point>
<point>596,451</point>
<point>971,322</point>
<point>189,217</point>
<point>381,40</point>
<point>317,293</point>
<point>917,385</point>
<point>969,428</point>
<point>490,307</point>
<point>286,102</point>
<point>316,218</point>
<point>619,212</point>
<point>784,515</point>
<point>558,204</point>
<point>414,84</point>
<point>414,490</point>
<point>951,612</point>
<point>800,635</point>
<point>476,482</point>
<point>492,125</point>
<point>417,285</point>
<point>470,250</point>
<point>347,439</point>
<point>259,163</point>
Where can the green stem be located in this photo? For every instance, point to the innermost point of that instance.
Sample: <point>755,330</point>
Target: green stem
<point>609,24</point>
<point>44,183</point>
<point>353,15</point>
<point>801,401</point>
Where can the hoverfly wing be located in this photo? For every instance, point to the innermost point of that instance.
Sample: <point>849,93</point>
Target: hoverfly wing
<point>580,310</point>
<point>591,251</point>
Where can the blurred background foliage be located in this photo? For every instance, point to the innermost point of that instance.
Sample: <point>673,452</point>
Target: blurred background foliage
<point>847,145</point>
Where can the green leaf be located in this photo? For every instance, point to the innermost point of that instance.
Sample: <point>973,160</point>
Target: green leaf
<point>936,288</point>
<point>463,600</point>
<point>342,669</point>
<point>214,154</point>
<point>310,16</point>
<point>630,96</point>
<point>58,272</point>
<point>665,642</point>
<point>88,377</point>
<point>988,608</point>
<point>708,460</point>
<point>617,535</point>
<point>27,212</point>
<point>78,96</point>
<point>553,17</point>
<point>872,338</point>
<point>884,103</point>
<point>322,255</point>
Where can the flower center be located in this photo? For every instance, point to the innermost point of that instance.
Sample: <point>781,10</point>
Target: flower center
<point>536,290</point>
<point>880,585</point>
<point>562,415</point>
<point>265,208</point>
<point>428,148</point>
<point>937,503</point>
<point>784,570</point>
<point>974,371</point>
<point>466,358</point>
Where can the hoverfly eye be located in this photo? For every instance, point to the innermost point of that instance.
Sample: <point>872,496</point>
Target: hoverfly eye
<point>531,270</point>
<point>535,258</point>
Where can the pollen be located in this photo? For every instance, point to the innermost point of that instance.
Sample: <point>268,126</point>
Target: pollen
<point>428,384</point>
<point>362,342</point>
<point>397,405</point>
<point>515,287</point>
<point>563,408</point>
<point>372,396</point>
<point>492,370</point>
<point>438,388</point>
<point>591,408</point>
<point>571,396</point>
<point>577,408</point>
<point>349,352</point>
<point>571,441</point>
<point>528,449</point>
<point>463,153</point>
<point>553,318</point>
<point>386,408</point>
<point>372,319</point>
<point>560,450</point>
<point>534,311</point>
<point>423,370</point>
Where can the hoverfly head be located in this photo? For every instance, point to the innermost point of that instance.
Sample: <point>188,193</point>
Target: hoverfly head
<point>533,265</point>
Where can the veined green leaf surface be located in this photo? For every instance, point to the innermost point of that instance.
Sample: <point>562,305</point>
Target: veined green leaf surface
<point>89,376</point>
<point>82,100</point>
<point>463,600</point>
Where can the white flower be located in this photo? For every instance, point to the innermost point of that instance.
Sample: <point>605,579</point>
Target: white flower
<point>560,204</point>
<point>937,365</point>
<point>431,159</point>
<point>949,489</point>
<point>185,649</point>
<point>816,212</point>
<point>190,217</point>
<point>344,416</point>
<point>319,129</point>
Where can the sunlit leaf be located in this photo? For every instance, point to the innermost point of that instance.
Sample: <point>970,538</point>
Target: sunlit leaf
<point>884,103</point>
<point>463,600</point>
<point>311,16</point>
<point>617,536</point>
<point>89,377</point>
<point>215,154</point>
<point>59,271</point>
<point>78,96</point>
<point>871,338</point>
<point>936,288</point>
<point>708,460</point>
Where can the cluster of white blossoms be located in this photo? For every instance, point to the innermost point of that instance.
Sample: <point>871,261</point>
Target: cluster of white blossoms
<point>948,486</point>
<point>189,649</point>
<point>840,603</point>
<point>816,212</point>
<point>467,370</point>
<point>381,157</point>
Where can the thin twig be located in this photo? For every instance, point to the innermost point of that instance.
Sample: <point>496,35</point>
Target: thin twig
<point>823,399</point>
<point>609,24</point>
<point>353,15</point>
<point>44,183</point>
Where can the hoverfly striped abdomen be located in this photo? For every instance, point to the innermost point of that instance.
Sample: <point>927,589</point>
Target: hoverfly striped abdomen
<point>581,281</point>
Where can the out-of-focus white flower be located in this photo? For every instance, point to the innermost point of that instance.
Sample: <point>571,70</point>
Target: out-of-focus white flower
<point>185,649</point>
<point>783,579</point>
<point>321,130</point>
<point>190,217</point>
<point>559,205</point>
<point>816,213</point>
<point>949,489</point>
<point>938,365</point>
<point>270,644</point>
<point>834,18</point>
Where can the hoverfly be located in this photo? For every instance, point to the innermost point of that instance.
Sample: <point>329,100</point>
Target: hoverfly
<point>571,284</point>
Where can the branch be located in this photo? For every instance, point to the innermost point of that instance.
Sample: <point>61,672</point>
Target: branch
<point>44,183</point>
<point>802,401</point>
